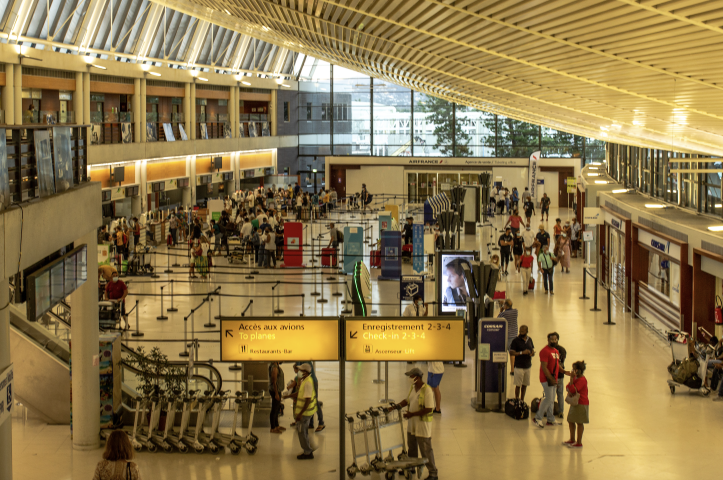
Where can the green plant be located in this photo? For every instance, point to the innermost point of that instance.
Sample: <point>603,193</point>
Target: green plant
<point>156,372</point>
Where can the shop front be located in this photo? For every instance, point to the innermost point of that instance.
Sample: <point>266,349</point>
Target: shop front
<point>662,279</point>
<point>707,287</point>
<point>615,254</point>
<point>422,184</point>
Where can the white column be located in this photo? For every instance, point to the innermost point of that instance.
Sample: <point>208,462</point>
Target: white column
<point>273,108</point>
<point>233,111</point>
<point>6,429</point>
<point>187,110</point>
<point>192,177</point>
<point>9,94</point>
<point>192,133</point>
<point>143,182</point>
<point>18,93</point>
<point>78,96</point>
<point>143,110</point>
<point>86,99</point>
<point>84,347</point>
<point>138,124</point>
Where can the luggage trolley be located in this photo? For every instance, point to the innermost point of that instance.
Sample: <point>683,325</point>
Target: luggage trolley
<point>679,349</point>
<point>385,428</point>
<point>360,431</point>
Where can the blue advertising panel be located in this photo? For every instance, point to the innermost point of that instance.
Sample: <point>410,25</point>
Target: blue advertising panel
<point>353,247</point>
<point>418,248</point>
<point>493,332</point>
<point>411,285</point>
<point>391,255</point>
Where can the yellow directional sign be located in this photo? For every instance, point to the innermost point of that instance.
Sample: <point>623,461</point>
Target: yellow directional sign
<point>406,339</point>
<point>250,339</point>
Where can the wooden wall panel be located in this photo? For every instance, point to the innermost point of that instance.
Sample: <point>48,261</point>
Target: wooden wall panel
<point>109,87</point>
<point>251,160</point>
<point>203,164</point>
<point>166,92</point>
<point>261,97</point>
<point>212,94</point>
<point>162,170</point>
<point>48,83</point>
<point>102,175</point>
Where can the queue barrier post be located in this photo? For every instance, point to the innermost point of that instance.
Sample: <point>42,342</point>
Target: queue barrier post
<point>322,299</point>
<point>609,322</point>
<point>161,316</point>
<point>172,308</point>
<point>137,333</point>
<point>168,261</point>
<point>155,266</point>
<point>278,301</point>
<point>595,309</point>
<point>184,353</point>
<point>218,317</point>
<point>584,284</point>
<point>210,324</point>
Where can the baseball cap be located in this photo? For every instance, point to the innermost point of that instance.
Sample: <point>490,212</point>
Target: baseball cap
<point>305,367</point>
<point>415,372</point>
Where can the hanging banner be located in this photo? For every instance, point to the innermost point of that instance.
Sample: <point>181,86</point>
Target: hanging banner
<point>353,247</point>
<point>391,255</point>
<point>532,174</point>
<point>418,248</point>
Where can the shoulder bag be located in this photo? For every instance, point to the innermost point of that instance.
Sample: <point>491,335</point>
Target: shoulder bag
<point>129,474</point>
<point>572,400</point>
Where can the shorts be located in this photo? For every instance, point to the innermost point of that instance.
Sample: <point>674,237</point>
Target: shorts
<point>546,210</point>
<point>434,379</point>
<point>522,377</point>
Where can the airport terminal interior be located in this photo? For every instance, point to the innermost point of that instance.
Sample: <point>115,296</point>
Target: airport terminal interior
<point>349,239</point>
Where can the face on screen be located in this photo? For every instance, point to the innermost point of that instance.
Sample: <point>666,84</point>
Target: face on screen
<point>454,285</point>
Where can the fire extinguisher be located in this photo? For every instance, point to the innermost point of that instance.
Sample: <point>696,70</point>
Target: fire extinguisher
<point>718,310</point>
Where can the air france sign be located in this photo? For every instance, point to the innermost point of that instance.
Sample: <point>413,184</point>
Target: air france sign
<point>592,216</point>
<point>532,174</point>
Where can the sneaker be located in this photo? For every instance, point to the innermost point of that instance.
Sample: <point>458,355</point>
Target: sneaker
<point>524,293</point>
<point>438,412</point>
<point>576,445</point>
<point>538,423</point>
<point>310,456</point>
<point>718,398</point>
<point>568,443</point>
<point>552,424</point>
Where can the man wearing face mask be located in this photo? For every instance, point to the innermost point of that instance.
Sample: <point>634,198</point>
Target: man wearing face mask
<point>117,291</point>
<point>173,225</point>
<point>543,239</point>
<point>549,369</point>
<point>417,309</point>
<point>420,400</point>
<point>546,261</point>
<point>304,409</point>
<point>521,350</point>
<point>526,269</point>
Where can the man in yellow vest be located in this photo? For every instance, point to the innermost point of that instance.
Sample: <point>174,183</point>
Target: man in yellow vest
<point>420,400</point>
<point>304,409</point>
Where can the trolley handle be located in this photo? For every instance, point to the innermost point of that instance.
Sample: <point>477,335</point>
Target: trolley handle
<point>361,416</point>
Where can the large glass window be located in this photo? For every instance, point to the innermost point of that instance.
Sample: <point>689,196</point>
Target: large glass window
<point>516,138</point>
<point>557,144</point>
<point>352,122</point>
<point>474,132</point>
<point>433,126</point>
<point>392,115</point>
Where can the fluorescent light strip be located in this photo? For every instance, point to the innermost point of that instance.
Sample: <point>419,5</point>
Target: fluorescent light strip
<point>622,190</point>
<point>202,79</point>
<point>97,66</point>
<point>155,74</point>
<point>246,83</point>
<point>654,205</point>
<point>716,228</point>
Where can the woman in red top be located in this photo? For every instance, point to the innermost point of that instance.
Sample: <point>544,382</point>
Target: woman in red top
<point>526,269</point>
<point>579,414</point>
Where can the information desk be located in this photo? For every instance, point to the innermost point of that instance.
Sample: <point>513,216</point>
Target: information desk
<point>407,339</point>
<point>269,339</point>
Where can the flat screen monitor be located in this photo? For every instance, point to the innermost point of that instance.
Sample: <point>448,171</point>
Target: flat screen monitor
<point>452,288</point>
<point>57,282</point>
<point>248,174</point>
<point>106,195</point>
<point>119,174</point>
<point>217,162</point>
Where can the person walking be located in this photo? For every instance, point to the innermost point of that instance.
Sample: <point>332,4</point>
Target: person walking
<point>526,262</point>
<point>435,371</point>
<point>549,368</point>
<point>505,242</point>
<point>173,225</point>
<point>547,261</point>
<point>514,221</point>
<point>579,414</point>
<point>543,238</point>
<point>305,408</point>
<point>276,386</point>
<point>136,231</point>
<point>517,249</point>
<point>521,350</point>
<point>509,314</point>
<point>420,401</point>
<point>269,248</point>
<point>333,237</point>
<point>561,379</point>
<point>545,207</point>
<point>116,463</point>
<point>117,291</point>
<point>529,207</point>
<point>319,412</point>
<point>564,249</point>
<point>575,236</point>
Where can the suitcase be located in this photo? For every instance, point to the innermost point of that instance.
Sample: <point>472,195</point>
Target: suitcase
<point>305,215</point>
<point>328,257</point>
<point>407,252</point>
<point>517,409</point>
<point>375,259</point>
<point>531,286</point>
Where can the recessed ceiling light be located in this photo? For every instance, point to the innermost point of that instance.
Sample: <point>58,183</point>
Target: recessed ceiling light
<point>600,182</point>
<point>246,83</point>
<point>279,80</point>
<point>593,174</point>
<point>285,85</point>
<point>654,205</point>
<point>202,79</point>
<point>98,66</point>
<point>716,228</point>
<point>227,12</point>
<point>596,163</point>
<point>155,74</point>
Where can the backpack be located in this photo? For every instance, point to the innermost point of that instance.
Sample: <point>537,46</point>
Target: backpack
<point>684,370</point>
<point>517,409</point>
<point>340,236</point>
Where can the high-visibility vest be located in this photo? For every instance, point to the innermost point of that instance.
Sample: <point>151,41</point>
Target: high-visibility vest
<point>420,396</point>
<point>300,400</point>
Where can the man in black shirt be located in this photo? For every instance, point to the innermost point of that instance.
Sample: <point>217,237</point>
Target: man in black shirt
<point>522,350</point>
<point>543,238</point>
<point>529,209</point>
<point>545,206</point>
<point>407,231</point>
<point>505,242</point>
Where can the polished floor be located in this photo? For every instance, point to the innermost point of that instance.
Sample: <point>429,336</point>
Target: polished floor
<point>637,430</point>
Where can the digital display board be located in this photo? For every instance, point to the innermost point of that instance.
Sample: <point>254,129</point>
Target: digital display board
<point>406,339</point>
<point>51,283</point>
<point>248,339</point>
<point>452,288</point>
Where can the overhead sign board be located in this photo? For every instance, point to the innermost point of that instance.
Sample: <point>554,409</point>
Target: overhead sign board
<point>394,339</point>
<point>268,339</point>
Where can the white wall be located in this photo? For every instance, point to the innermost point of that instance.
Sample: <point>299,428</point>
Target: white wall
<point>511,177</point>
<point>551,187</point>
<point>379,179</point>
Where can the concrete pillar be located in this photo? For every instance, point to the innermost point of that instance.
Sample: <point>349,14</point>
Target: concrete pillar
<point>272,111</point>
<point>192,178</point>
<point>187,110</point>
<point>84,347</point>
<point>143,110</point>
<point>233,111</point>
<point>18,93</point>
<point>9,94</point>
<point>78,95</point>
<point>141,166</point>
<point>186,192</point>
<point>6,429</point>
<point>192,133</point>
<point>86,98</point>
<point>138,125</point>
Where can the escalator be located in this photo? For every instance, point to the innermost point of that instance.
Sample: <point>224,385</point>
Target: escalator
<point>41,359</point>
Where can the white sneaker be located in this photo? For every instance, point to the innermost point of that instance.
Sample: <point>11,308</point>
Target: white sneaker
<point>718,398</point>
<point>538,423</point>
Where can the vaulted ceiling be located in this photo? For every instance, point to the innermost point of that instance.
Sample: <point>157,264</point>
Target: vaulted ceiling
<point>643,72</point>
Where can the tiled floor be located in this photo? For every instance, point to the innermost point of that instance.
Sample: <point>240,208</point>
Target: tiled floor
<point>637,430</point>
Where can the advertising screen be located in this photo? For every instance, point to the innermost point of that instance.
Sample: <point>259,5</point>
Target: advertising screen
<point>452,290</point>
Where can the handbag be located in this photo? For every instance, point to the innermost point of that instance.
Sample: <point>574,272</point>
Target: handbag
<point>572,400</point>
<point>129,475</point>
<point>718,311</point>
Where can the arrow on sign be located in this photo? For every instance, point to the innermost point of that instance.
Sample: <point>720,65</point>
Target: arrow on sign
<point>229,334</point>
<point>352,335</point>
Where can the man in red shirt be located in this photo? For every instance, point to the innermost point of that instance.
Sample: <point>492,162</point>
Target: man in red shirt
<point>549,368</point>
<point>117,291</point>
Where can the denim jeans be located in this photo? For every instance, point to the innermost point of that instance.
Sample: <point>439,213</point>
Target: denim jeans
<point>560,395</point>
<point>424,445</point>
<point>260,257</point>
<point>302,428</point>
<point>269,257</point>
<point>547,404</point>
<point>547,278</point>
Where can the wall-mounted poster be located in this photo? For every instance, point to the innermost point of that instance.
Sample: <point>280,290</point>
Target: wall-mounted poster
<point>265,130</point>
<point>227,130</point>
<point>252,129</point>
<point>241,131</point>
<point>95,132</point>
<point>182,131</point>
<point>253,110</point>
<point>44,163</point>
<point>204,131</point>
<point>168,131</point>
<point>127,132</point>
<point>63,159</point>
<point>151,132</point>
<point>4,180</point>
